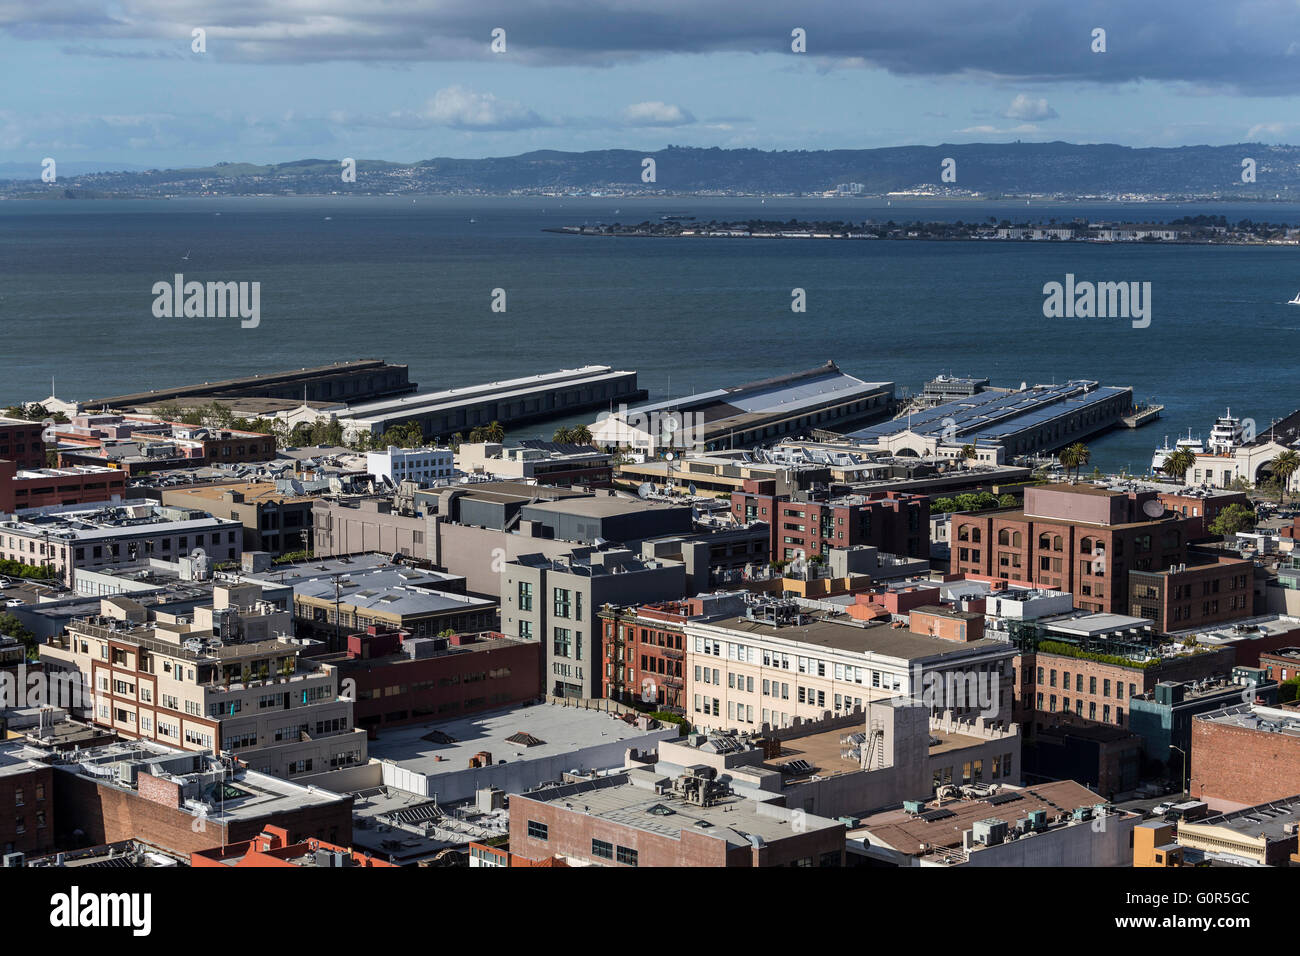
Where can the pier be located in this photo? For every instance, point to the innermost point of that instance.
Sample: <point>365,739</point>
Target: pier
<point>1142,415</point>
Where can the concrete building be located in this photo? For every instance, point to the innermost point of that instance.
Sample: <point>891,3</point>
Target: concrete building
<point>547,463</point>
<point>746,415</point>
<point>1002,424</point>
<point>116,536</point>
<point>1260,835</point>
<point>514,749</point>
<point>1162,717</point>
<point>556,600</point>
<point>641,818</point>
<point>776,663</point>
<point>515,401</point>
<point>1048,824</point>
<point>274,521</point>
<point>227,680</point>
<point>424,466</point>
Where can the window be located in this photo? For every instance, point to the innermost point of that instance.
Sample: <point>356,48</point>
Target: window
<point>538,831</point>
<point>525,596</point>
<point>562,603</point>
<point>602,850</point>
<point>626,855</point>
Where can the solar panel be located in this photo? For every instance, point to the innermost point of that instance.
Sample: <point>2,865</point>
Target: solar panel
<point>798,767</point>
<point>421,813</point>
<point>999,798</point>
<point>932,815</point>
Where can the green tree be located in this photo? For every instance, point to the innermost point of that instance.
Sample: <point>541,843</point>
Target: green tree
<point>968,453</point>
<point>1232,519</point>
<point>1073,457</point>
<point>495,432</point>
<point>563,435</point>
<point>1284,466</point>
<point>1179,463</point>
<point>1007,501</point>
<point>581,435</point>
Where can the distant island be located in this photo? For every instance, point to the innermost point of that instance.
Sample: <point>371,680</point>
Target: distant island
<point>975,171</point>
<point>1190,229</point>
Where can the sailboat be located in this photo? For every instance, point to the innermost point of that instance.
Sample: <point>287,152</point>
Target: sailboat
<point>1296,300</point>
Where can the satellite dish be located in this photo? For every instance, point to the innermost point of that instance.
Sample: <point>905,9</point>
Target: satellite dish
<point>669,456</point>
<point>1153,508</point>
<point>645,489</point>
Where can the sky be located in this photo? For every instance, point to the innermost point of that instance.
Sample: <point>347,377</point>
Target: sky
<point>121,85</point>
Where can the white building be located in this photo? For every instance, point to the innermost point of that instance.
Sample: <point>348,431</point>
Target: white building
<point>422,465</point>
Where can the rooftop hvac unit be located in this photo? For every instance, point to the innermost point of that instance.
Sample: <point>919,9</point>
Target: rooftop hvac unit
<point>989,832</point>
<point>1038,820</point>
<point>913,806</point>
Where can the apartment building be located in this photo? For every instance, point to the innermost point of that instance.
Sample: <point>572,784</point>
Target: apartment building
<point>224,679</point>
<point>562,464</point>
<point>421,465</point>
<point>644,647</point>
<point>116,536</point>
<point>1078,538</point>
<point>811,523</point>
<point>21,442</point>
<point>556,600</point>
<point>776,663</point>
<point>1203,592</point>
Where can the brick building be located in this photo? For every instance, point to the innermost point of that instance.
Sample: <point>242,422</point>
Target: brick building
<point>27,820</point>
<point>1213,590</point>
<point>400,679</point>
<point>1200,506</point>
<point>641,818</point>
<point>272,848</point>
<point>644,647</point>
<point>38,487</point>
<point>1282,664</point>
<point>892,521</point>
<point>21,442</point>
<point>1245,754</point>
<point>184,802</point>
<point>1078,538</point>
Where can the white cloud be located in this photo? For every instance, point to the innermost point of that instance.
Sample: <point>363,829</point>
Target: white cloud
<point>1027,108</point>
<point>656,113</point>
<point>461,108</point>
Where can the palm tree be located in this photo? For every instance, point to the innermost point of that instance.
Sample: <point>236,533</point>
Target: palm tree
<point>1074,457</point>
<point>580,435</point>
<point>1284,466</point>
<point>495,432</point>
<point>563,435</point>
<point>1179,463</point>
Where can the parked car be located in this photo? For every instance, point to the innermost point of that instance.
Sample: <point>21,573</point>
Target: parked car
<point>1161,809</point>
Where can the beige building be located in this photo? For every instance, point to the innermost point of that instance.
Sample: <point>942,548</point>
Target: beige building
<point>227,678</point>
<point>778,663</point>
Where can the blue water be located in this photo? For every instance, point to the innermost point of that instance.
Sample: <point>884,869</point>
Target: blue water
<point>412,282</point>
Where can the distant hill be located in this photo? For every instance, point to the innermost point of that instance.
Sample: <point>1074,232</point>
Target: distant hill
<point>990,169</point>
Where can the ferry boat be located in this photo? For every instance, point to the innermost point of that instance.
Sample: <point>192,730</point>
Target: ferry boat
<point>1226,437</point>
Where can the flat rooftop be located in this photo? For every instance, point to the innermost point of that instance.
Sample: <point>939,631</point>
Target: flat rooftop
<point>112,521</point>
<point>1268,820</point>
<point>406,600</point>
<point>1266,625</point>
<point>732,819</point>
<point>942,823</point>
<point>557,730</point>
<point>879,639</point>
<point>599,506</point>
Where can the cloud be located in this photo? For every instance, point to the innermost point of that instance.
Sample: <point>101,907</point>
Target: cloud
<point>656,113</point>
<point>1246,48</point>
<point>461,108</point>
<point>1025,108</point>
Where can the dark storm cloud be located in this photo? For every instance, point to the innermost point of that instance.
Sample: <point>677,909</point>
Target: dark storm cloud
<point>1251,47</point>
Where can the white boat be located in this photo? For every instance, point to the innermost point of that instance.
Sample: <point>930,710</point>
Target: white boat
<point>1296,300</point>
<point>1227,435</point>
<point>1194,445</point>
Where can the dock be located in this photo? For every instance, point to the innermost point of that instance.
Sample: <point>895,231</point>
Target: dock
<point>1142,416</point>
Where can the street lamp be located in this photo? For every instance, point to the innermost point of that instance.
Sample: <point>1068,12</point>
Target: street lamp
<point>1184,776</point>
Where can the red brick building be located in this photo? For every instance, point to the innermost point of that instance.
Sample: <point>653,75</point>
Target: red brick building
<point>21,442</point>
<point>37,487</point>
<point>644,652</point>
<point>27,811</point>
<point>1282,664</point>
<point>1201,508</point>
<point>272,848</point>
<point>400,680</point>
<point>1078,538</point>
<point>1245,755</point>
<point>1212,591</point>
<point>590,822</point>
<point>893,521</point>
